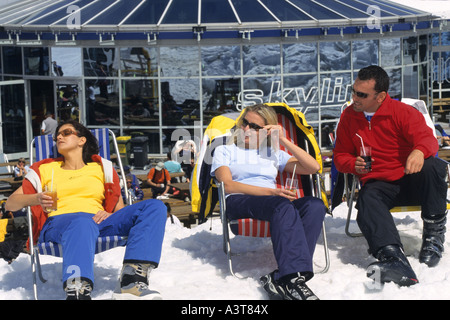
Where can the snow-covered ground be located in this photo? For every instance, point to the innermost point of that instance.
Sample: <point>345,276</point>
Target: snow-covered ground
<point>193,267</point>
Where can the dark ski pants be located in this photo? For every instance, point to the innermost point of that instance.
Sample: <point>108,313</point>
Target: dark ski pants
<point>426,188</point>
<point>294,226</point>
<point>143,223</point>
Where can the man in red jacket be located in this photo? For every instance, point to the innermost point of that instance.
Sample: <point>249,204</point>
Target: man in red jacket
<point>404,171</point>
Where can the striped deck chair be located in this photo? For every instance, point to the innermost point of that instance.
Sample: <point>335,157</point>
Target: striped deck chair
<point>308,185</point>
<point>44,148</point>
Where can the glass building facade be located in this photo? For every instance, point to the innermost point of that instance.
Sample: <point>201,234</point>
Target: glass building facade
<point>150,68</point>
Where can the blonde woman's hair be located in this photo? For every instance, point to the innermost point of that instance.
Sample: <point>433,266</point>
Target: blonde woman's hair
<point>264,111</point>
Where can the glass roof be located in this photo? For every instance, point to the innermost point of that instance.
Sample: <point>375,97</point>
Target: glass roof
<point>211,15</point>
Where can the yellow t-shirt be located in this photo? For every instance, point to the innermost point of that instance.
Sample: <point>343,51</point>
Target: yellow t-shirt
<point>79,190</point>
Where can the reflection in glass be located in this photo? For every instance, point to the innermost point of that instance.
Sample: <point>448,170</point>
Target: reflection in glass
<point>261,59</point>
<point>301,91</point>
<point>300,57</point>
<point>153,136</point>
<point>390,52</point>
<point>66,61</point>
<point>101,110</point>
<point>410,50</point>
<point>335,88</point>
<point>138,62</point>
<point>395,83</point>
<point>259,90</point>
<point>335,56</point>
<point>410,82</point>
<point>179,61</point>
<point>13,118</point>
<point>12,60</point>
<point>180,102</point>
<point>140,102</point>
<point>365,53</point>
<point>221,61</point>
<point>100,62</point>
<point>36,61</point>
<point>67,102</point>
<point>219,96</point>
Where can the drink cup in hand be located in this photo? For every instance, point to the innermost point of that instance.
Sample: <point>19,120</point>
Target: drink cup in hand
<point>51,191</point>
<point>366,154</point>
<point>291,185</point>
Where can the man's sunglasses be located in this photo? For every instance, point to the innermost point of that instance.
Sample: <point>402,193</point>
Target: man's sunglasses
<point>361,95</point>
<point>251,125</point>
<point>65,133</point>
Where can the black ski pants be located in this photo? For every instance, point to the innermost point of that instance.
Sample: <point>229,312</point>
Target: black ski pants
<point>426,188</point>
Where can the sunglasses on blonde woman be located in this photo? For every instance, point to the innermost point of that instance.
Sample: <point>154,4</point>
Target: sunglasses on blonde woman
<point>65,133</point>
<point>251,125</point>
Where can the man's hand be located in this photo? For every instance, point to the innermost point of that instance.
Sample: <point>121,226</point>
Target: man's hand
<point>415,161</point>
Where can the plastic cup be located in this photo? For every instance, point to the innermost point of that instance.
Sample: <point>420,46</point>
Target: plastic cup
<point>51,191</point>
<point>366,154</point>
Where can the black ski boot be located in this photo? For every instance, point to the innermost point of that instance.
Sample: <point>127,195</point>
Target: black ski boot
<point>433,239</point>
<point>392,266</point>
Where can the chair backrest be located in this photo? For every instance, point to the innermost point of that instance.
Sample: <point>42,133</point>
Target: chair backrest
<point>45,148</point>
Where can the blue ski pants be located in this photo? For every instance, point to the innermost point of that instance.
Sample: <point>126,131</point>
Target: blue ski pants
<point>143,223</point>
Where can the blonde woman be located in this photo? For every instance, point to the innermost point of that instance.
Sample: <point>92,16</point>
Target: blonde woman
<point>248,166</point>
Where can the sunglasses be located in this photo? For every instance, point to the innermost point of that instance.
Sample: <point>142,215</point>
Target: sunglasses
<point>361,95</point>
<point>251,125</point>
<point>65,133</point>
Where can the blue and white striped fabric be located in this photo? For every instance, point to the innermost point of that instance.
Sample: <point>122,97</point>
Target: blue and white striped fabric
<point>103,244</point>
<point>102,136</point>
<point>45,147</point>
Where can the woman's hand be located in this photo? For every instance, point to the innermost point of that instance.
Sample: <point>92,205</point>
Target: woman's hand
<point>44,201</point>
<point>285,193</point>
<point>101,216</point>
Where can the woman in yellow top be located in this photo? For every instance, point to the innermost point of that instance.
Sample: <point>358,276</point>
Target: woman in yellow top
<point>90,205</point>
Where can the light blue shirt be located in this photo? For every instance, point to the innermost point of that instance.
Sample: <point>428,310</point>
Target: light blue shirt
<point>250,166</point>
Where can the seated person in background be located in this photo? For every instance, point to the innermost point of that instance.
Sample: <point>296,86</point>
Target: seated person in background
<point>90,205</point>
<point>134,190</point>
<point>158,178</point>
<point>172,166</point>
<point>20,170</point>
<point>248,166</point>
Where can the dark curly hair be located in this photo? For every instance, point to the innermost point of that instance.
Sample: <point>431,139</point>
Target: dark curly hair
<point>91,146</point>
<point>375,73</point>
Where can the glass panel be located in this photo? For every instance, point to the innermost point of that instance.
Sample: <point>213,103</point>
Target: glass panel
<point>335,91</point>
<point>424,43</point>
<point>390,52</point>
<point>365,53</point>
<point>214,11</point>
<point>138,62</point>
<point>12,60</point>
<point>181,102</point>
<point>179,61</point>
<point>66,62</point>
<point>259,90</point>
<point>284,11</point>
<point>300,57</point>
<point>100,62</point>
<point>251,11</point>
<point>261,59</point>
<point>301,92</point>
<point>36,61</point>
<point>13,117</point>
<point>101,110</point>
<point>315,10</point>
<point>220,60</point>
<point>335,56</point>
<point>410,84</point>
<point>67,101</point>
<point>149,13</point>
<point>219,95</point>
<point>140,102</point>
<point>182,11</point>
<point>116,13</point>
<point>410,50</point>
<point>395,85</point>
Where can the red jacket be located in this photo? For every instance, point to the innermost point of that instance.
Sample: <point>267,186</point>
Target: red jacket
<point>32,184</point>
<point>394,131</point>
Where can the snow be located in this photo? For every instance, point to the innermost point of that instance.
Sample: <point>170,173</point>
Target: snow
<point>193,267</point>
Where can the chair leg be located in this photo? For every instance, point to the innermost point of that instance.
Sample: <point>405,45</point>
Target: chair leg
<point>350,201</point>
<point>326,251</point>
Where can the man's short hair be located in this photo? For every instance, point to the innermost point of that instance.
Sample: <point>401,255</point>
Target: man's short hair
<point>376,73</point>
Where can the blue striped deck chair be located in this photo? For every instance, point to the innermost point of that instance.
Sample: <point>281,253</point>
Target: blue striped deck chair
<point>44,147</point>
